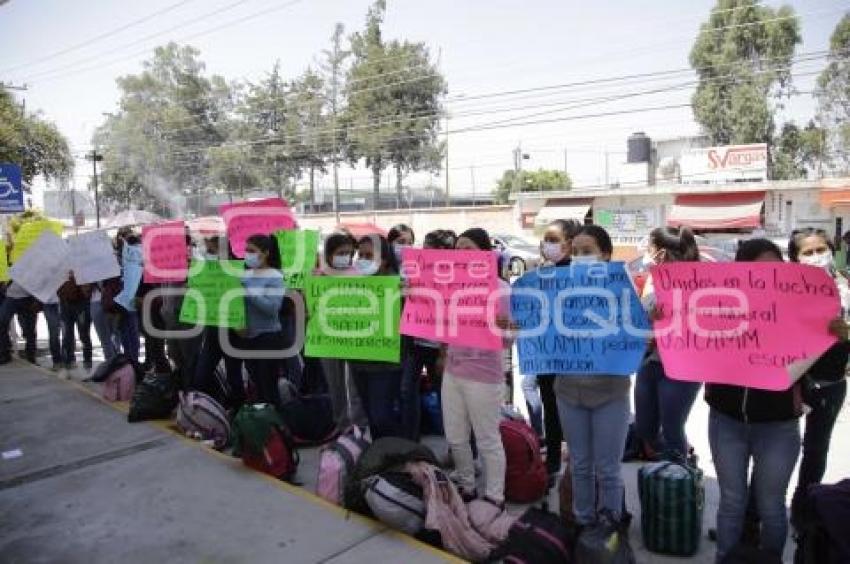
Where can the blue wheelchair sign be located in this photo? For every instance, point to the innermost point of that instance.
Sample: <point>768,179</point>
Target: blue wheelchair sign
<point>11,190</point>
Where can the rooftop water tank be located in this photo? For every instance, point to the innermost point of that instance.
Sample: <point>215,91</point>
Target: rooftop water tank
<point>639,148</point>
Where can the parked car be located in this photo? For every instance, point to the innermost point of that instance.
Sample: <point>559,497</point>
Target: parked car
<point>521,255</point>
<point>639,272</point>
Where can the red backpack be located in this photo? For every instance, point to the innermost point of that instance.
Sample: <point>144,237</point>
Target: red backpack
<point>526,479</point>
<point>264,442</point>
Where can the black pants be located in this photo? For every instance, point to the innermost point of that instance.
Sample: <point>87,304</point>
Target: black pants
<point>210,356</point>
<point>23,308</point>
<point>551,422</point>
<point>826,403</point>
<point>264,372</point>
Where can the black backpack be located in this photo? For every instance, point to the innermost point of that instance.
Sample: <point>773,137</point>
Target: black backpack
<point>308,416</point>
<point>824,534</point>
<point>539,537</point>
<point>155,397</point>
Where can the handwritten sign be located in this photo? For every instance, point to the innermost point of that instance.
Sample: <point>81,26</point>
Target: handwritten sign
<point>353,317</point>
<point>749,324</point>
<point>582,319</point>
<point>131,276</point>
<point>164,248</point>
<point>44,267</point>
<point>263,217</point>
<point>29,232</point>
<point>448,297</point>
<point>216,296</point>
<point>92,257</point>
<point>4,263</point>
<point>298,249</point>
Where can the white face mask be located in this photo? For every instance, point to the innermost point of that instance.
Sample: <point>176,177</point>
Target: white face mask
<point>553,251</point>
<point>341,262</point>
<point>366,267</point>
<point>585,259</point>
<point>821,260</point>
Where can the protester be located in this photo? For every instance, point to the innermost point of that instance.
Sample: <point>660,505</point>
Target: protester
<point>660,401</point>
<point>53,319</point>
<point>472,395</point>
<point>125,302</point>
<point>824,385</point>
<point>400,236</point>
<point>104,321</point>
<point>75,311</point>
<point>18,302</point>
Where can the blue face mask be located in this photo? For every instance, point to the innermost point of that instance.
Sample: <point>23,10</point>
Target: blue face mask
<point>252,260</point>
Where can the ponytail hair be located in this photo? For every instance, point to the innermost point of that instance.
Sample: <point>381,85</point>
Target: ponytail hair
<point>678,243</point>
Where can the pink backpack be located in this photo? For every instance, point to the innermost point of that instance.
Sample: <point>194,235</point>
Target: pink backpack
<point>336,462</point>
<point>201,417</point>
<point>120,384</point>
<point>526,479</point>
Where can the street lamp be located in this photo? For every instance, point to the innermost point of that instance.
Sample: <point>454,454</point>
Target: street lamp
<point>95,157</point>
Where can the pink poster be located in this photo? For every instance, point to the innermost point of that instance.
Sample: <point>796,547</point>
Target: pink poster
<point>165,255</point>
<point>264,217</point>
<point>451,297</point>
<point>755,324</point>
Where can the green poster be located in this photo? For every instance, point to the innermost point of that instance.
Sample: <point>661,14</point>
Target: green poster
<point>353,317</point>
<point>298,250</point>
<point>209,281</point>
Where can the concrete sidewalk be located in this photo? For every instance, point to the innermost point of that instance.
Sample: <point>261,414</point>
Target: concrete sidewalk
<point>89,487</point>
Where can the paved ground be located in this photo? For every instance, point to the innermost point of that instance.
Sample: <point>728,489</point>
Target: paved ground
<point>90,487</point>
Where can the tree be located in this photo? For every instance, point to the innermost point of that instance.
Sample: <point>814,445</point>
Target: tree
<point>833,95</point>
<point>394,104</point>
<point>540,180</point>
<point>797,151</point>
<point>742,57</point>
<point>333,67</point>
<point>309,127</point>
<point>32,142</point>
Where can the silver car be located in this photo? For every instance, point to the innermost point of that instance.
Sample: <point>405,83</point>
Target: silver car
<point>520,255</point>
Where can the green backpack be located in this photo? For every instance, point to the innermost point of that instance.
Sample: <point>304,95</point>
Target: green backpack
<point>672,499</point>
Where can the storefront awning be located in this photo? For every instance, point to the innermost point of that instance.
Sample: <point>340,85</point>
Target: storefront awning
<point>576,209</point>
<point>733,210</point>
<point>833,198</point>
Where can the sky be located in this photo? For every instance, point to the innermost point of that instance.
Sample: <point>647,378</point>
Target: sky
<point>483,48</point>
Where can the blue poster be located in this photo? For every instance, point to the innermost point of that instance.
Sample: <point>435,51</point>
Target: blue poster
<point>11,189</point>
<point>579,320</point>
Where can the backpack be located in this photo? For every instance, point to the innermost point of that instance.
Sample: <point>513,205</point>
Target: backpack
<point>526,479</point>
<point>823,534</point>
<point>672,498</point>
<point>537,537</point>
<point>308,416</point>
<point>605,542</point>
<point>492,522</point>
<point>155,397</point>
<point>120,384</point>
<point>201,417</point>
<point>396,500</point>
<point>107,367</point>
<point>336,463</point>
<point>262,440</point>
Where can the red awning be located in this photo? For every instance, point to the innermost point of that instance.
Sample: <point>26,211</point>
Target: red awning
<point>732,210</point>
<point>833,198</point>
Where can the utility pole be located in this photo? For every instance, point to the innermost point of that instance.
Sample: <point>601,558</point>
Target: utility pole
<point>472,175</point>
<point>448,196</point>
<point>94,157</point>
<point>607,183</point>
<point>566,172</point>
<point>519,156</point>
<point>20,88</point>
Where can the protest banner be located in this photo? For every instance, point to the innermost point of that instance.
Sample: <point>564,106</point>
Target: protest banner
<point>579,320</point>
<point>353,317</point>
<point>755,324</point>
<point>29,232</point>
<point>131,276</point>
<point>92,257</point>
<point>215,296</point>
<point>447,296</point>
<point>44,267</point>
<point>262,217</point>
<point>298,249</point>
<point>165,253</point>
<point>4,264</point>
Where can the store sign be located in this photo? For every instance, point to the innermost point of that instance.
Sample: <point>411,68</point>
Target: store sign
<point>731,163</point>
<point>626,221</point>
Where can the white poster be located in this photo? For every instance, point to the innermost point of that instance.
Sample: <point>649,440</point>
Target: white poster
<point>44,266</point>
<point>92,257</point>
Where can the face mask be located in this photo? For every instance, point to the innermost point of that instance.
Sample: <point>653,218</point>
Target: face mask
<point>341,262</point>
<point>252,260</point>
<point>585,259</point>
<point>553,251</point>
<point>366,267</point>
<point>397,251</point>
<point>821,260</point>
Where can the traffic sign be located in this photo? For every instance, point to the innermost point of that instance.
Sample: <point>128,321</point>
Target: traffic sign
<point>11,190</point>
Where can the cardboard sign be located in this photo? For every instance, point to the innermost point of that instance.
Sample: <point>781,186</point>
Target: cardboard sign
<point>259,217</point>
<point>754,324</point>
<point>353,317</point>
<point>4,263</point>
<point>451,297</point>
<point>164,249</point>
<point>92,257</point>
<point>215,296</point>
<point>29,232</point>
<point>298,250</point>
<point>579,320</point>
<point>44,267</point>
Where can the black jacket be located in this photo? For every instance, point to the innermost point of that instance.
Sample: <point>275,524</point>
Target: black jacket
<point>755,406</point>
<point>831,364</point>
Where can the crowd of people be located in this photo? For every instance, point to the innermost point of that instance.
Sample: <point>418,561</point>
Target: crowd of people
<point>748,428</point>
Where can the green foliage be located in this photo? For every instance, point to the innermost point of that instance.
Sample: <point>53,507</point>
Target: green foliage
<point>742,57</point>
<point>833,95</point>
<point>540,180</point>
<point>32,142</point>
<point>797,151</point>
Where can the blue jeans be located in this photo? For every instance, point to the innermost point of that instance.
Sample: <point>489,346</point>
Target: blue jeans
<point>595,440</point>
<point>22,307</point>
<point>54,324</point>
<point>661,402</point>
<point>379,391</point>
<point>128,329</point>
<point>75,314</point>
<point>774,448</point>
<point>533,402</point>
<point>105,330</point>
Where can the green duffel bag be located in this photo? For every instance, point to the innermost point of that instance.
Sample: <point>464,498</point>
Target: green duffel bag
<point>672,498</point>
